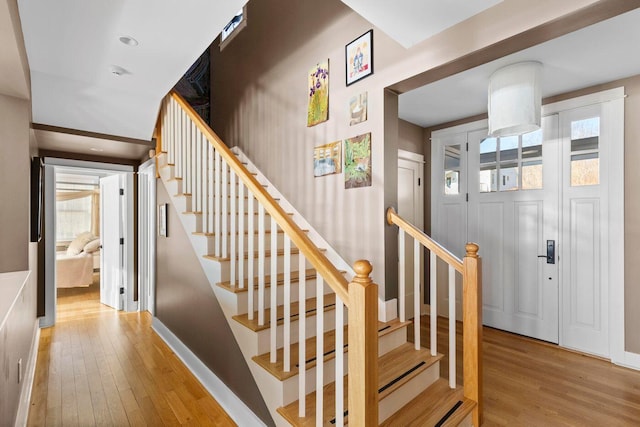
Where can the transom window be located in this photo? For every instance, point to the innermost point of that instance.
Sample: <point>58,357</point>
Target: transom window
<point>511,163</point>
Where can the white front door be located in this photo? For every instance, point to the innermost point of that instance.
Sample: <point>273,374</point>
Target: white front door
<point>411,208</point>
<point>111,233</point>
<point>513,216</point>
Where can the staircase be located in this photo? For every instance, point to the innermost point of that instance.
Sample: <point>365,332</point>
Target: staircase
<point>306,322</point>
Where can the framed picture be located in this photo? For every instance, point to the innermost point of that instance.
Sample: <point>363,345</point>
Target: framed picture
<point>359,57</point>
<point>162,220</point>
<point>358,109</point>
<point>327,159</point>
<point>318,84</point>
<point>357,161</point>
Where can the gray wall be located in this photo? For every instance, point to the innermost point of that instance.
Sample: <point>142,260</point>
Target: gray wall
<point>14,183</point>
<point>259,102</point>
<point>186,304</point>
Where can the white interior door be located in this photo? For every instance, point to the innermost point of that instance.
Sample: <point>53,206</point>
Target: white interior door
<point>111,233</point>
<point>411,208</point>
<point>513,216</point>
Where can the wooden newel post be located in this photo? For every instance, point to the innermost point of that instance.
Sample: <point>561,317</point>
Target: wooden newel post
<point>472,329</point>
<point>363,347</point>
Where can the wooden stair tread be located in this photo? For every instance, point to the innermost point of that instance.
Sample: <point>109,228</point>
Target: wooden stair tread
<point>310,308</point>
<point>246,232</point>
<point>295,276</point>
<point>431,406</point>
<point>277,369</point>
<point>267,254</point>
<point>394,369</point>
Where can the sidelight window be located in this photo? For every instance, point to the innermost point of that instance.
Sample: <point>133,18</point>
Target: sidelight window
<point>585,152</point>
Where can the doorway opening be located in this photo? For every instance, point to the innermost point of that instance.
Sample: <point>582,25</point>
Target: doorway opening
<point>88,239</point>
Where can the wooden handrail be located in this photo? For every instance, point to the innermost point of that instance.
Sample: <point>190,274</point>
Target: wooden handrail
<point>427,242</point>
<point>324,267</point>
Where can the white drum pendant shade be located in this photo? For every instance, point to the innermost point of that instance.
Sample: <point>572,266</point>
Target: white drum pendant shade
<point>515,99</point>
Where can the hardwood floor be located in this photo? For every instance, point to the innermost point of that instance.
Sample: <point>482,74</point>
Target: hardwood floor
<point>102,367</point>
<point>532,383</point>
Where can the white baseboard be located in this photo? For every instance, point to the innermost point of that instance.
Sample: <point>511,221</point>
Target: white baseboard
<point>235,407</point>
<point>387,310</point>
<point>630,360</point>
<point>29,375</point>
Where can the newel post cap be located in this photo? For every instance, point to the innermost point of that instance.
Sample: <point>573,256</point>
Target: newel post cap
<point>363,269</point>
<point>472,250</point>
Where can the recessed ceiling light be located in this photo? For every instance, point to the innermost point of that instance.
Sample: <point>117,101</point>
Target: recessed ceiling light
<point>117,71</point>
<point>96,149</point>
<point>129,41</point>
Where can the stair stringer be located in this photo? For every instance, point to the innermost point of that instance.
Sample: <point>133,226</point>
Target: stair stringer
<point>248,341</point>
<point>387,310</point>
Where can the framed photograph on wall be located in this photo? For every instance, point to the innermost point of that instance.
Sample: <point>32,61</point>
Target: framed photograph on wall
<point>162,220</point>
<point>359,58</point>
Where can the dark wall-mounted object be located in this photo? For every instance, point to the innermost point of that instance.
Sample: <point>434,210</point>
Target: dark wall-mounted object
<point>37,194</point>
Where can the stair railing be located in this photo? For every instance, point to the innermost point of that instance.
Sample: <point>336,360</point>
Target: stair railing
<point>222,193</point>
<point>470,269</point>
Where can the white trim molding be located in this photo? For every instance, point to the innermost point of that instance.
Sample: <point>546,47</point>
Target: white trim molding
<point>30,373</point>
<point>235,407</point>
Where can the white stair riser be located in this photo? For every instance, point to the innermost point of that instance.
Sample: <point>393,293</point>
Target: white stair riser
<point>290,385</point>
<point>386,343</point>
<point>392,340</point>
<point>310,329</point>
<point>205,245</point>
<point>267,266</point>
<point>243,298</point>
<point>193,222</point>
<point>408,391</point>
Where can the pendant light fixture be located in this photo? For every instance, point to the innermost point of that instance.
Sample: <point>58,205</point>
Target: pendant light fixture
<point>515,99</point>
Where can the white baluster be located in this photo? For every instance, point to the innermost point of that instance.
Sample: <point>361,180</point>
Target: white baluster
<point>225,209</point>
<point>211,186</point>
<point>452,327</point>
<point>234,255</point>
<point>433,302</point>
<point>217,204</point>
<point>339,363</point>
<point>287,303</point>
<point>187,161</point>
<point>401,274</point>
<point>250,246</point>
<point>169,138</point>
<point>273,301</point>
<point>197,192</point>
<point>261,266</point>
<point>241,234</point>
<point>416,292</point>
<point>204,188</point>
<point>302,344</point>
<point>319,349</point>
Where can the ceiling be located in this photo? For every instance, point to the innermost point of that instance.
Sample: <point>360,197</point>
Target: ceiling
<point>73,46</point>
<point>73,85</point>
<point>409,21</point>
<point>593,55</point>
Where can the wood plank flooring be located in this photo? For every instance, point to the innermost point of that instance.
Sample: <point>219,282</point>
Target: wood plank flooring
<point>532,383</point>
<point>101,367</point>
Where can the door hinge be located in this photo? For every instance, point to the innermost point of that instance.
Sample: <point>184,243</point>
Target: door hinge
<point>467,197</point>
<point>467,147</point>
<point>121,291</point>
<point>418,182</point>
<point>122,191</point>
<point>122,240</point>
